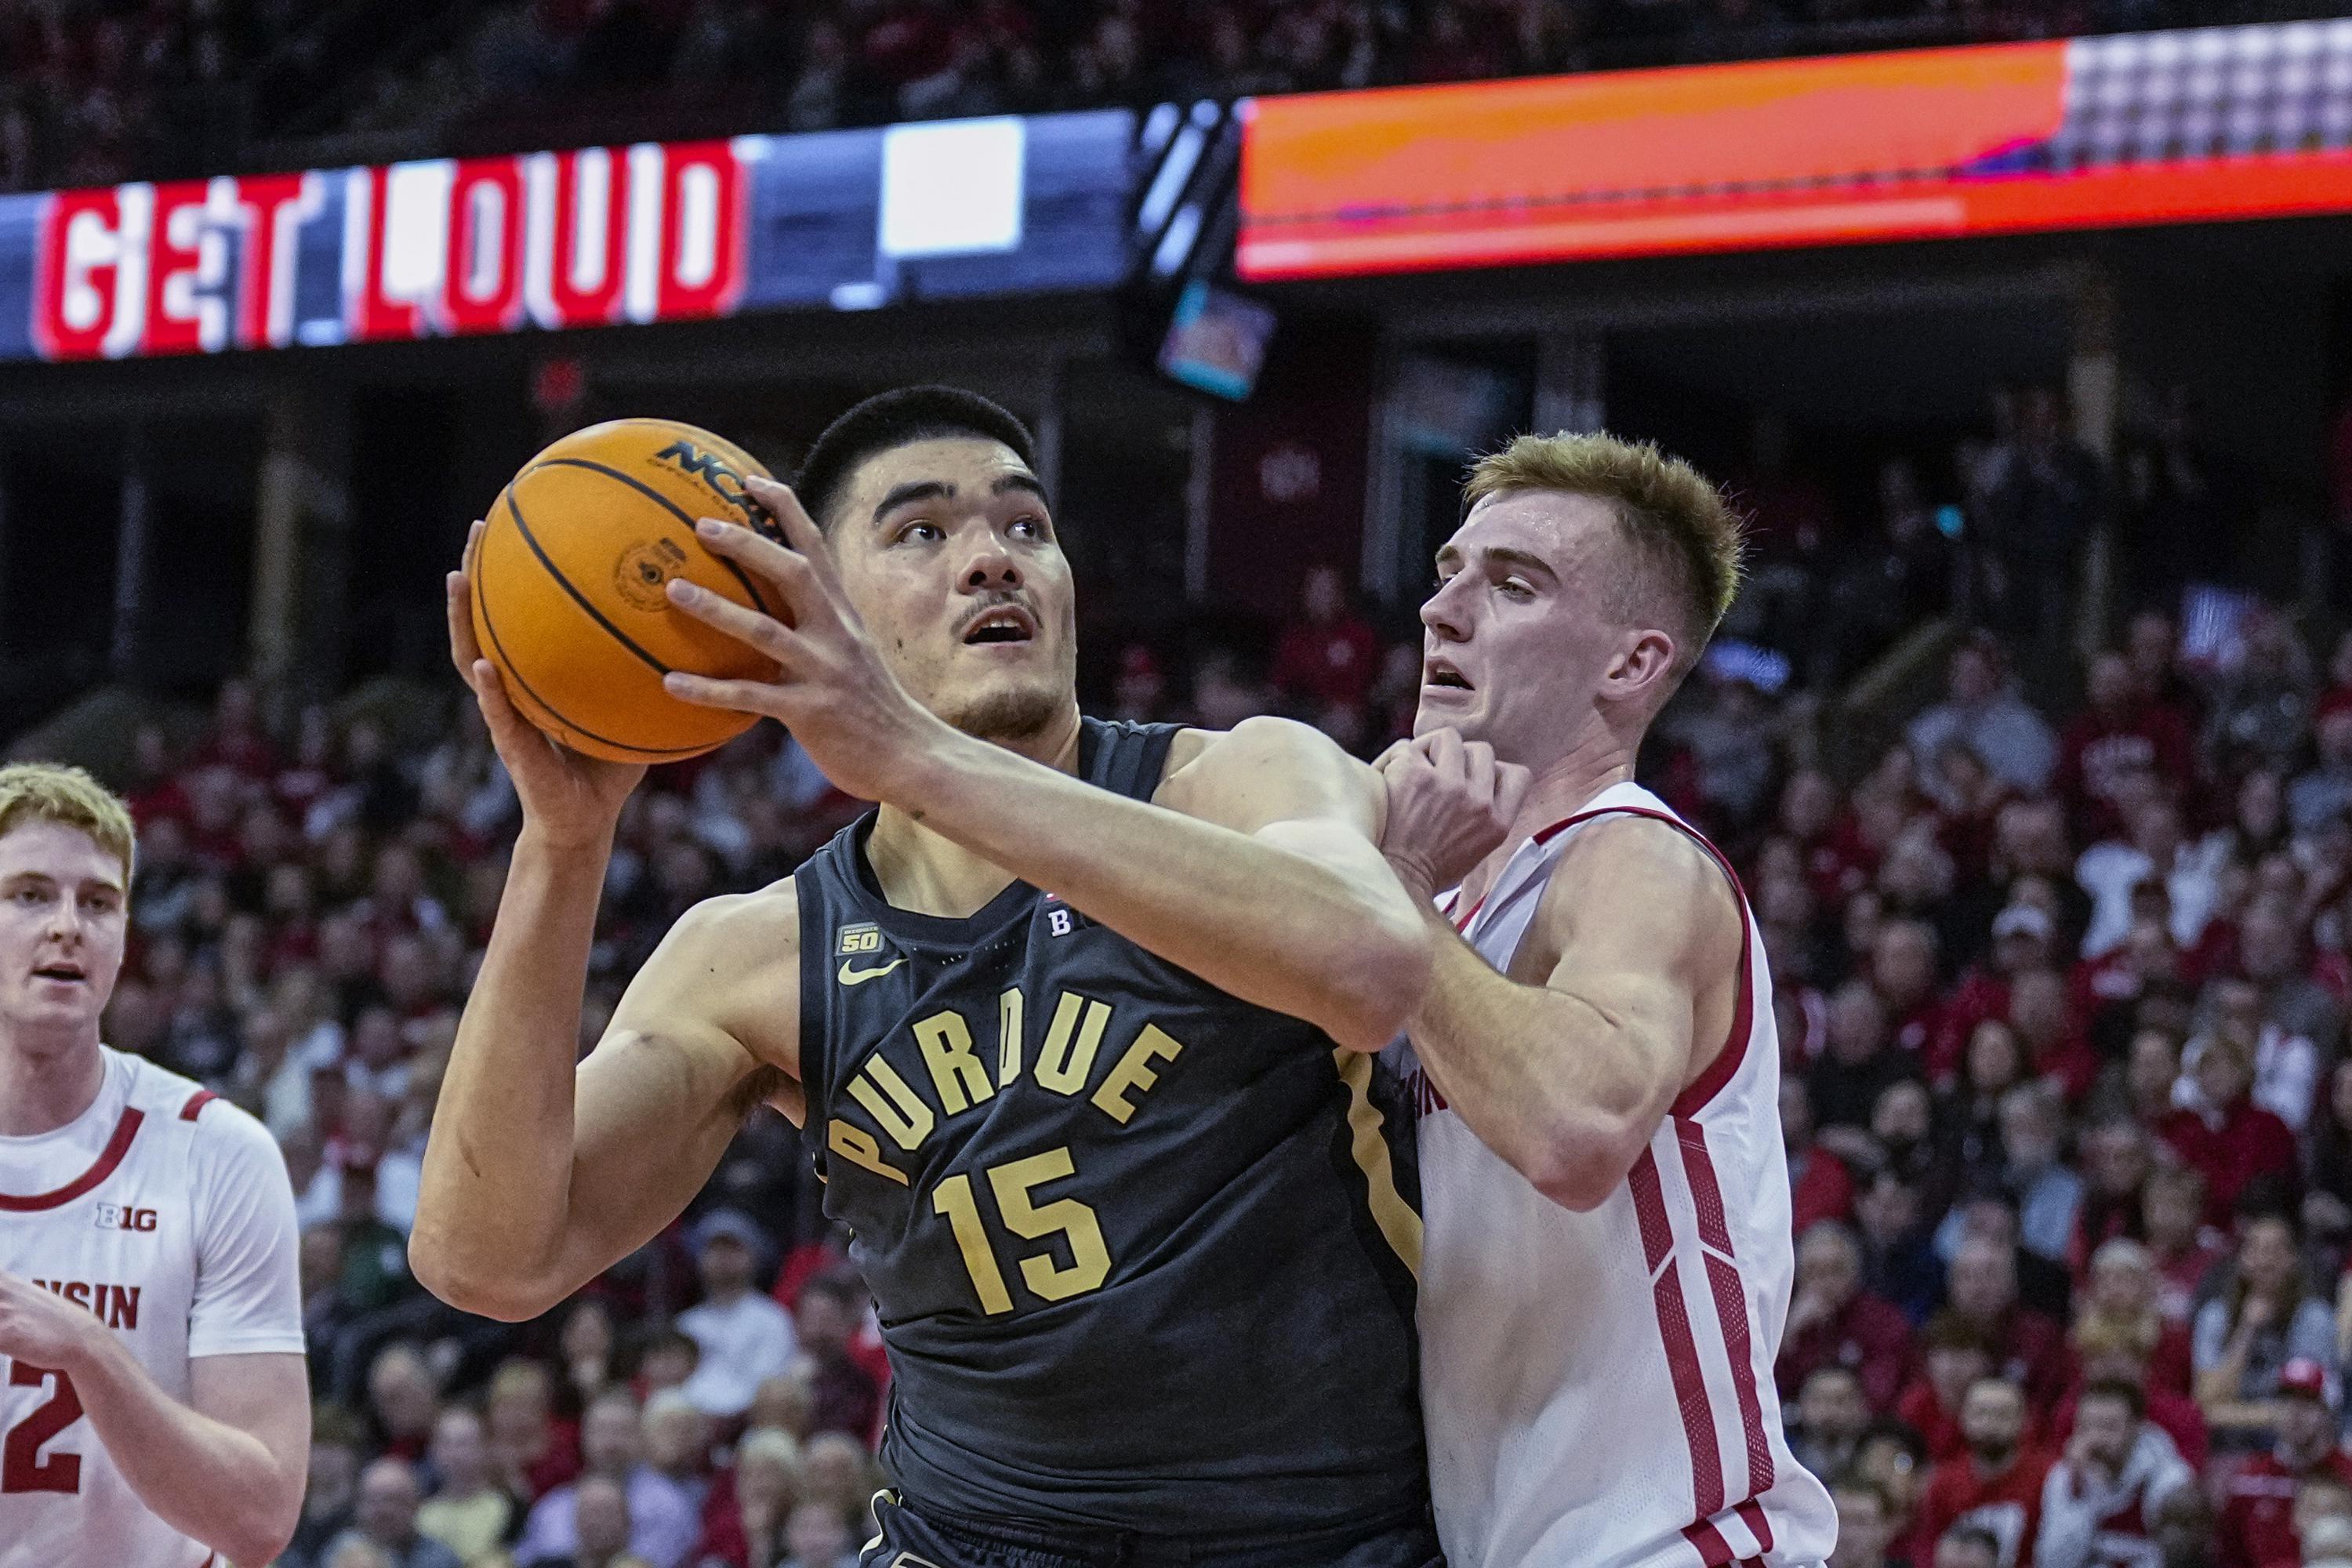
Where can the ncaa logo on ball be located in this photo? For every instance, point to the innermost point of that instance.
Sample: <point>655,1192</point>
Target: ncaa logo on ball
<point>643,570</point>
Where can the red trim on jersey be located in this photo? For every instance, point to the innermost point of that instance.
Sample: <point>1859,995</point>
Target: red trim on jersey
<point>1682,1351</point>
<point>1714,1550</point>
<point>1752,1516</point>
<point>1730,1304</point>
<point>1734,1049</point>
<point>197,1103</point>
<point>1650,1209</point>
<point>108,1158</point>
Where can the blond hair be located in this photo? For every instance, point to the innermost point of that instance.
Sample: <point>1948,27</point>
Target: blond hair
<point>1685,537</point>
<point>50,792</point>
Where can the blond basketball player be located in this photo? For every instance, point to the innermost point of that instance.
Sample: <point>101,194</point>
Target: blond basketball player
<point>153,1406</point>
<point>1607,1258</point>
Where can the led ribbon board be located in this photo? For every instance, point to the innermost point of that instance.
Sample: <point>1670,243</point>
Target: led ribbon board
<point>597,236</point>
<point>2147,127</point>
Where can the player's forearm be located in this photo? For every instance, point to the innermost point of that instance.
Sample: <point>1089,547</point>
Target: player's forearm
<point>203,1478</point>
<point>494,1199</point>
<point>1304,918</point>
<point>1542,1077</point>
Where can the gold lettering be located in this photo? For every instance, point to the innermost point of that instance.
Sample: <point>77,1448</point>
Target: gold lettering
<point>903,1115</point>
<point>946,1040</point>
<point>858,1146</point>
<point>1008,1037</point>
<point>1067,1058</point>
<point>1134,1072</point>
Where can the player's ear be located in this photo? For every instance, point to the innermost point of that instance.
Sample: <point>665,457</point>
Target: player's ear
<point>1644,665</point>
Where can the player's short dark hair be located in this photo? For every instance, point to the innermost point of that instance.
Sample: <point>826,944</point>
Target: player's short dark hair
<point>893,419</point>
<point>2127,1393</point>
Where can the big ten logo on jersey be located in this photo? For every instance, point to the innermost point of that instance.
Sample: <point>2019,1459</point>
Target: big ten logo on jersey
<point>896,1113</point>
<point>118,1217</point>
<point>1060,919</point>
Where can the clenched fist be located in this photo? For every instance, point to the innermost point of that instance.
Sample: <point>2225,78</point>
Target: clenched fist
<point>1451,804</point>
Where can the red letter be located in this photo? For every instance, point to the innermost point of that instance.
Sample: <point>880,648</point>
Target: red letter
<point>80,259</point>
<point>702,231</point>
<point>376,314</point>
<point>481,280</point>
<point>580,178</point>
<point>265,313</point>
<point>174,246</point>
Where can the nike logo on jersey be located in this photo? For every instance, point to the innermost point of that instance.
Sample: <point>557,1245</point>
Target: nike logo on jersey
<point>849,976</point>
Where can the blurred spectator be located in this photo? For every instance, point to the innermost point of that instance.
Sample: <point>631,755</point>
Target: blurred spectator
<point>468,1511</point>
<point>744,1336</point>
<point>329,1497</point>
<point>2026,1344</point>
<point>1821,1187</point>
<point>1991,720</point>
<point>745,1522</point>
<point>1998,1485</point>
<point>1834,1322</point>
<point>2224,1136</point>
<point>818,1537</point>
<point>2117,1471</point>
<point>2265,1316</point>
<point>604,1526</point>
<point>2325,793</point>
<point>1327,656</point>
<point>2038,498</point>
<point>2122,734</point>
<point>847,1397</point>
<point>387,1517</point>
<point>2258,1498</point>
<point>662,1526</point>
<point>2049,1195</point>
<point>2262,709</point>
<point>2110,1350</point>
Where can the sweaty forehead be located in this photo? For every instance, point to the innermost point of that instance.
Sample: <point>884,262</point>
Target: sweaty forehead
<point>52,849</point>
<point>969,464</point>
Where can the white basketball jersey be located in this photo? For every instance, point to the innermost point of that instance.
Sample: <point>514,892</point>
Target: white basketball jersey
<point>168,1213</point>
<point>1599,1386</point>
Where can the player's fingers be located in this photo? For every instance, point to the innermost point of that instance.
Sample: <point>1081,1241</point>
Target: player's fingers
<point>1445,752</point>
<point>1397,751</point>
<point>721,614</point>
<point>799,529</point>
<point>740,696</point>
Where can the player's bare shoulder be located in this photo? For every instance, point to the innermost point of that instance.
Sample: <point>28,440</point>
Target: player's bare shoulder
<point>1262,769</point>
<point>731,963</point>
<point>1634,882</point>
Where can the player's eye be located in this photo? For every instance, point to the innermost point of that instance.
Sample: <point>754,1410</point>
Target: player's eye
<point>924,532</point>
<point>1028,527</point>
<point>1515,588</point>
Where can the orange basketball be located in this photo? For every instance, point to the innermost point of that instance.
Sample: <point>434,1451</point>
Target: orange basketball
<point>569,587</point>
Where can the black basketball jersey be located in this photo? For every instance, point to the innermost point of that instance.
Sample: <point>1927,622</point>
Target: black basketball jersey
<point>1141,1251</point>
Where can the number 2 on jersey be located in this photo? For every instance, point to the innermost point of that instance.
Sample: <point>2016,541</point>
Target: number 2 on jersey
<point>21,1469</point>
<point>1072,1220</point>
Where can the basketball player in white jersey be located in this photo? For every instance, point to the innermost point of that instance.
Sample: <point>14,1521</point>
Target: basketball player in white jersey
<point>154,1412</point>
<point>1607,1255</point>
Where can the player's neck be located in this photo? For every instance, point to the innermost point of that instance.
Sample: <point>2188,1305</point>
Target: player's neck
<point>928,873</point>
<point>1567,786</point>
<point>45,1084</point>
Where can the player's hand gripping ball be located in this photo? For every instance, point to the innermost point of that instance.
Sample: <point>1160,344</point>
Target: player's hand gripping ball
<point>570,587</point>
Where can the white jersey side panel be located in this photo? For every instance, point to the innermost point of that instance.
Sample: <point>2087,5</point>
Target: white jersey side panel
<point>1599,1386</point>
<point>152,1210</point>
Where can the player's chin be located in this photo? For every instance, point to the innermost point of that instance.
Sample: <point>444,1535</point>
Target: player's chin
<point>1447,708</point>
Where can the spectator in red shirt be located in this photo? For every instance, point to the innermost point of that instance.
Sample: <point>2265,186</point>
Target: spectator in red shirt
<point>2026,1346</point>
<point>1833,1322</point>
<point>2227,1138</point>
<point>2055,1046</point>
<point>849,1396</point>
<point>1820,1185</point>
<point>1327,658</point>
<point>2022,938</point>
<point>2119,731</point>
<point>1955,1354</point>
<point>1998,1485</point>
<point>2257,1526</point>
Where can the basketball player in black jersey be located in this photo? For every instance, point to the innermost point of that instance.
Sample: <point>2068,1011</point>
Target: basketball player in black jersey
<point>1074,1025</point>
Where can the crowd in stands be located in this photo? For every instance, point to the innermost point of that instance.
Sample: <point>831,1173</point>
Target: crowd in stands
<point>2062,981</point>
<point>94,90</point>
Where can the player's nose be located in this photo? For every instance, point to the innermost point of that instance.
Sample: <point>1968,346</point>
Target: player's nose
<point>1440,614</point>
<point>992,568</point>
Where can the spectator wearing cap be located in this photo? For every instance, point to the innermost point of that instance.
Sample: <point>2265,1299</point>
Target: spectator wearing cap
<point>1982,712</point>
<point>662,1527</point>
<point>2225,1137</point>
<point>1834,1322</point>
<point>2023,938</point>
<point>2104,1495</point>
<point>743,1335</point>
<point>2120,732</point>
<point>2265,1317</point>
<point>1997,1483</point>
<point>2257,1524</point>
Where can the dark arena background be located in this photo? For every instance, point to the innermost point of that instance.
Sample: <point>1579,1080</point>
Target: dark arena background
<point>2022,333</point>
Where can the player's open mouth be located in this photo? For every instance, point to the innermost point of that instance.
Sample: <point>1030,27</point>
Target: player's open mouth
<point>1006,623</point>
<point>1437,672</point>
<point>60,972</point>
